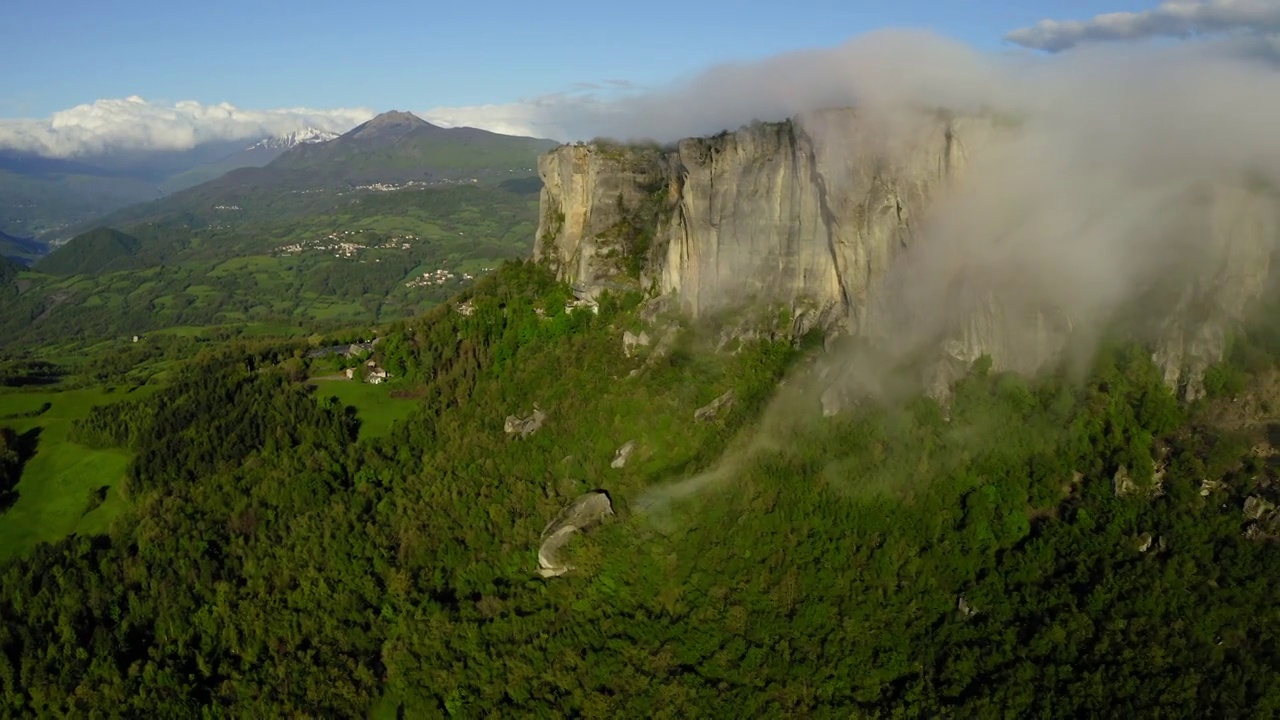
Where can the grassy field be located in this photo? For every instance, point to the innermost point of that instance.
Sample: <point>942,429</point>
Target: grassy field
<point>57,482</point>
<point>377,409</point>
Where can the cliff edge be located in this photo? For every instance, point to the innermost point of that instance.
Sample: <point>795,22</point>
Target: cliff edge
<point>914,233</point>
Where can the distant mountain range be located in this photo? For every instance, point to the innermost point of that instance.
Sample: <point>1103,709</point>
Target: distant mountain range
<point>392,150</point>
<point>256,155</point>
<point>47,201</point>
<point>300,137</point>
<point>399,147</point>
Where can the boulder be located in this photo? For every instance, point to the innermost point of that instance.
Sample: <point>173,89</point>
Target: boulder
<point>584,512</point>
<point>526,425</point>
<point>620,457</point>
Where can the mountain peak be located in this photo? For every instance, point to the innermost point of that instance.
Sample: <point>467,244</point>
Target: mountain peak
<point>298,137</point>
<point>388,125</point>
<point>396,116</point>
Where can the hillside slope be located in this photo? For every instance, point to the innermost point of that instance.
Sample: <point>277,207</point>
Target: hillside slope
<point>392,149</point>
<point>373,258</point>
<point>100,251</point>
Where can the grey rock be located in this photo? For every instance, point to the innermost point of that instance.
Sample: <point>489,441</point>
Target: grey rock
<point>1256,508</point>
<point>713,409</point>
<point>1123,485</point>
<point>584,512</point>
<point>623,454</point>
<point>525,426</point>
<point>819,215</point>
<point>1209,486</point>
<point>631,341</point>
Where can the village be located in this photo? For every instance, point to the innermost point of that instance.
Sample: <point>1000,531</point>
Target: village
<point>392,187</point>
<point>436,277</point>
<point>345,244</point>
<point>369,371</point>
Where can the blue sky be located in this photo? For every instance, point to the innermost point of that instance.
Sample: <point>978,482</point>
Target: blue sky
<point>420,54</point>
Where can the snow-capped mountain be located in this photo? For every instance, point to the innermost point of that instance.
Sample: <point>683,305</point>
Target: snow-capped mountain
<point>299,137</point>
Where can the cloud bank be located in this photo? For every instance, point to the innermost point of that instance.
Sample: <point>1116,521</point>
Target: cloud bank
<point>1118,186</point>
<point>1170,19</point>
<point>1120,171</point>
<point>133,123</point>
<point>876,66</point>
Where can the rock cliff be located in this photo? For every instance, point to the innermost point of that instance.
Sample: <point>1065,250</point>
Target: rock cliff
<point>822,215</point>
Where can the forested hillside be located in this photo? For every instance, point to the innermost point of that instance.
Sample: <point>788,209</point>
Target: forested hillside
<point>373,257</point>
<point>1017,555</point>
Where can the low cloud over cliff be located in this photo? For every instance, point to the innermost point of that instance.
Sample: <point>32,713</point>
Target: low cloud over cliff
<point>1115,183</point>
<point>905,67</point>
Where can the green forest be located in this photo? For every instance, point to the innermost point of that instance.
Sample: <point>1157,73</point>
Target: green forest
<point>270,560</point>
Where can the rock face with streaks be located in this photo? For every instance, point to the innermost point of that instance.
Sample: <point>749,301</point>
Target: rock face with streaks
<point>823,218</point>
<point>581,514</point>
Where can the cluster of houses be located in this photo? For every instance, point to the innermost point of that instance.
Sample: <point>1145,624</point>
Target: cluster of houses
<point>335,242</point>
<point>343,245</point>
<point>433,277</point>
<point>409,185</point>
<point>439,277</point>
<point>373,374</point>
<point>370,371</point>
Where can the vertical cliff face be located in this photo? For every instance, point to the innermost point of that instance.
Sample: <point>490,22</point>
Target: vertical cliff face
<point>824,214</point>
<point>597,202</point>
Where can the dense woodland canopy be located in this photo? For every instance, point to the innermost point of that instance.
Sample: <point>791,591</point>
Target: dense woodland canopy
<point>888,562</point>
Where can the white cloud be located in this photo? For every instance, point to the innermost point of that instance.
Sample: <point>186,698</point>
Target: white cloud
<point>874,67</point>
<point>1170,19</point>
<point>1098,195</point>
<point>135,124</point>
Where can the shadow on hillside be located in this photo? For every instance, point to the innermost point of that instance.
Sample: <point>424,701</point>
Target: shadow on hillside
<point>44,408</point>
<point>97,496</point>
<point>26,447</point>
<point>30,374</point>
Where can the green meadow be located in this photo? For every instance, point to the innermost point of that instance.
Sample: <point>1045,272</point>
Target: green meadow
<point>375,407</point>
<point>55,496</point>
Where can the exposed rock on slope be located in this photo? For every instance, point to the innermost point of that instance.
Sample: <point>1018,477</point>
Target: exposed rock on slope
<point>525,426</point>
<point>623,454</point>
<point>821,215</point>
<point>581,514</point>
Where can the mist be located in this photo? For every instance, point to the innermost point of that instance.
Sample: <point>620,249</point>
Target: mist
<point>1095,180</point>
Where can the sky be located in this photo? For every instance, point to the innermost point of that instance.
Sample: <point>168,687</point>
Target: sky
<point>81,75</point>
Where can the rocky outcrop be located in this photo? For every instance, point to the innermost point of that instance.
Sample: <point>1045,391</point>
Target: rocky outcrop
<point>1262,518</point>
<point>631,342</point>
<point>623,454</point>
<point>817,218</point>
<point>584,512</point>
<point>715,408</point>
<point>525,426</point>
